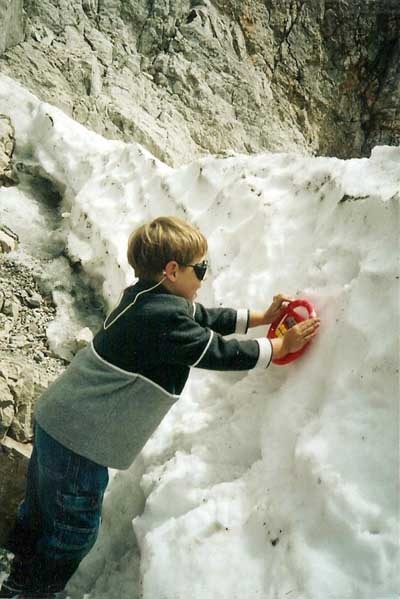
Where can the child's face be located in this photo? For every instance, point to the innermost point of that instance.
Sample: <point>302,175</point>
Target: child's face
<point>184,281</point>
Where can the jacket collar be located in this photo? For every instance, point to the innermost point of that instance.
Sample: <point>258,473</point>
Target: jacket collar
<point>143,284</point>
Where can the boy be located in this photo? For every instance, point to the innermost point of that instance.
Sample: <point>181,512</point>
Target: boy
<point>101,411</point>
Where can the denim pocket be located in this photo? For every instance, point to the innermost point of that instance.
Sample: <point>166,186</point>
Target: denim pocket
<point>77,522</point>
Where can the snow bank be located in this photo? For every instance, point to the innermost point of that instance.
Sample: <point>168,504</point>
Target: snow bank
<point>281,484</point>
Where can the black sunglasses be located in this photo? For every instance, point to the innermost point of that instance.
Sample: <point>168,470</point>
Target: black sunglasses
<point>200,269</point>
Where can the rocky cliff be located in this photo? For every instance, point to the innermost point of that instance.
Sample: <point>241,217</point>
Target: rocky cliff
<point>188,77</point>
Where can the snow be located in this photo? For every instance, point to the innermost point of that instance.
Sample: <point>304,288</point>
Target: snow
<point>257,485</point>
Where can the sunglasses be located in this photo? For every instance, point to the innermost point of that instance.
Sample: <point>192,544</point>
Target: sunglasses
<point>200,269</point>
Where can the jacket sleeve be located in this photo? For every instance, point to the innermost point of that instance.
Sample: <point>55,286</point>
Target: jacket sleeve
<point>185,342</point>
<point>224,321</point>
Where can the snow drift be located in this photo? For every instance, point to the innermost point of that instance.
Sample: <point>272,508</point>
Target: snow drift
<point>282,484</point>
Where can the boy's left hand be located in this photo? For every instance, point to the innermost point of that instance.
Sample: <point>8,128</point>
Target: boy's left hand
<point>277,307</point>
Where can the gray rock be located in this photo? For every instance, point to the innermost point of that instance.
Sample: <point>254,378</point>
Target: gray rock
<point>7,410</point>
<point>21,427</point>
<point>39,356</point>
<point>25,380</point>
<point>5,327</point>
<point>11,308</point>
<point>19,341</point>
<point>10,371</point>
<point>34,300</point>
<point>7,243</point>
<point>26,368</point>
<point>14,458</point>
<point>20,379</point>
<point>7,145</point>
<point>11,23</point>
<point>8,238</point>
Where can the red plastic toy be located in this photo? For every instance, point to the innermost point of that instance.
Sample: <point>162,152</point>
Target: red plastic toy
<point>288,319</point>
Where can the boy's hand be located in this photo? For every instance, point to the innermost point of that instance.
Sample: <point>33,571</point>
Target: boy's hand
<point>259,318</point>
<point>297,337</point>
<point>277,307</point>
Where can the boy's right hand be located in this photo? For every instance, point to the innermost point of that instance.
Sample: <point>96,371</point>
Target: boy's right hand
<point>295,338</point>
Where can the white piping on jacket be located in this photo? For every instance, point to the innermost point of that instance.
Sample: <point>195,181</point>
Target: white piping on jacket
<point>205,349</point>
<point>131,374</point>
<point>106,326</point>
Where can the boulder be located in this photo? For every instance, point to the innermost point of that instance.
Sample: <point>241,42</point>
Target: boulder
<point>25,383</point>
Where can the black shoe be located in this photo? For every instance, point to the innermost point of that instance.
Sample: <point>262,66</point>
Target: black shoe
<point>21,542</point>
<point>36,579</point>
<point>8,592</point>
<point>12,592</point>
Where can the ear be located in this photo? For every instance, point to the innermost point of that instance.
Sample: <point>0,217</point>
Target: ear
<point>171,270</point>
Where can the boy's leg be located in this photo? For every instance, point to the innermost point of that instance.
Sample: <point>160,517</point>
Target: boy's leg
<point>70,492</point>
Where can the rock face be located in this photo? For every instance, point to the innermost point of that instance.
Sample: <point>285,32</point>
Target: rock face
<point>26,369</point>
<point>27,366</point>
<point>189,77</point>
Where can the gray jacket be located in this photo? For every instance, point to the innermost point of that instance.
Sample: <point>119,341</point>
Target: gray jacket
<point>116,391</point>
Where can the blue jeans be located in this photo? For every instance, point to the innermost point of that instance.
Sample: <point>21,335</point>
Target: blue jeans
<point>59,519</point>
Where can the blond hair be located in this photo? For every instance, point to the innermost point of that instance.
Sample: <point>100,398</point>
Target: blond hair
<point>154,244</point>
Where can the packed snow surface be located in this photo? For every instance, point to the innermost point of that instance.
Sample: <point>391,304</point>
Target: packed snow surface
<point>280,484</point>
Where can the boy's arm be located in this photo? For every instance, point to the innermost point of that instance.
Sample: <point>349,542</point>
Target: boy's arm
<point>227,321</point>
<point>185,342</point>
<point>224,321</point>
<point>256,319</point>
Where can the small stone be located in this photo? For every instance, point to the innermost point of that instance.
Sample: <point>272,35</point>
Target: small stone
<point>7,409</point>
<point>39,356</point>
<point>11,308</point>
<point>10,371</point>
<point>22,294</point>
<point>34,329</point>
<point>19,341</point>
<point>21,428</point>
<point>5,327</point>
<point>34,300</point>
<point>7,243</point>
